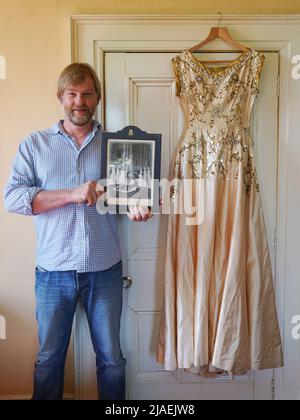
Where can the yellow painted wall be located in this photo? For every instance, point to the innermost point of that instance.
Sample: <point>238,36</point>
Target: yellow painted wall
<point>34,38</point>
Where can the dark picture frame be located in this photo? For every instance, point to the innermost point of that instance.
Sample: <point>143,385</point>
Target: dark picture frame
<point>131,165</point>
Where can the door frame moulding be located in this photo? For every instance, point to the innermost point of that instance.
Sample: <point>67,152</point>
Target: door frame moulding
<point>94,35</point>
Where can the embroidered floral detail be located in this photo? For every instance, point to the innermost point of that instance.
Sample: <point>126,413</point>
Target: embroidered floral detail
<point>216,102</point>
<point>250,176</point>
<point>217,112</point>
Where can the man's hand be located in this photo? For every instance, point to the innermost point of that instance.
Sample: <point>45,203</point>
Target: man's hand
<point>139,214</point>
<point>87,193</point>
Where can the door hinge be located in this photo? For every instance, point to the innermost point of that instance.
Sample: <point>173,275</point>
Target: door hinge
<point>273,389</point>
<point>275,240</point>
<point>278,86</point>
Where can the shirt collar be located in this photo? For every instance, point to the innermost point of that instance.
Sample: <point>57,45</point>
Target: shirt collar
<point>58,127</point>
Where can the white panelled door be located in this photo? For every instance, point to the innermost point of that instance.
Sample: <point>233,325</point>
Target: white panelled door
<point>140,90</point>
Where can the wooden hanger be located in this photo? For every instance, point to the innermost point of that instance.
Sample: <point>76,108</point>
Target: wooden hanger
<point>222,33</point>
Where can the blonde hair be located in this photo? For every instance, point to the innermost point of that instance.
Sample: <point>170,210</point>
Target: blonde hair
<point>77,73</point>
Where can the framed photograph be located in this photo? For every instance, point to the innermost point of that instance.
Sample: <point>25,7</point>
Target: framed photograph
<point>130,164</point>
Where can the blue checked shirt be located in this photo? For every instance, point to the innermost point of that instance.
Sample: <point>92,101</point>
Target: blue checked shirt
<point>74,237</point>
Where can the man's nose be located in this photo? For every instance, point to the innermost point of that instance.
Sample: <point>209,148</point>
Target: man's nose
<point>79,99</point>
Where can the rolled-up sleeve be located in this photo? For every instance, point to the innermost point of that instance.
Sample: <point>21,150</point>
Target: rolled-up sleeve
<point>21,188</point>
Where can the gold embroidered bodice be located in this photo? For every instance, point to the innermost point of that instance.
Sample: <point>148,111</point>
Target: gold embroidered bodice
<point>217,104</point>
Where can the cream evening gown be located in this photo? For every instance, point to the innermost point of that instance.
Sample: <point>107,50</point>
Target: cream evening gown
<point>219,306</point>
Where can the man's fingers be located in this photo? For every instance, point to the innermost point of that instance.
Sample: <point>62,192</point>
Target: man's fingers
<point>138,216</point>
<point>131,213</point>
<point>145,213</point>
<point>139,213</point>
<point>94,193</point>
<point>134,214</point>
<point>92,197</point>
<point>89,201</point>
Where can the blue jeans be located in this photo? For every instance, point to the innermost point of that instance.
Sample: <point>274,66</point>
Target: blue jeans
<point>57,294</point>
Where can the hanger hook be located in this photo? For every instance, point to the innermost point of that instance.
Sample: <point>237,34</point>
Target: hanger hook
<point>220,18</point>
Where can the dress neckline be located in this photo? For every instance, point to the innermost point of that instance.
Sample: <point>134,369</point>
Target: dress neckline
<point>215,71</point>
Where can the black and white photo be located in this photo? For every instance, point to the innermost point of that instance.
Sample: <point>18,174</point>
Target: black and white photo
<point>130,164</point>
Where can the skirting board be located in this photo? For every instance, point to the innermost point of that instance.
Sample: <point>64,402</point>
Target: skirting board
<point>27,397</point>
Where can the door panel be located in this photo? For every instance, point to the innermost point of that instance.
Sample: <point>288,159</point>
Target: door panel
<point>140,90</point>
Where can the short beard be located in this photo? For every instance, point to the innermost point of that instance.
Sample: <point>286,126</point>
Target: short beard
<point>80,121</point>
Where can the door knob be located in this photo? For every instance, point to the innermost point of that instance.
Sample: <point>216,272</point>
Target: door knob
<point>127,282</point>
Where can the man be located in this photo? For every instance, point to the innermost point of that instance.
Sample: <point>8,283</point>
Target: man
<point>54,178</point>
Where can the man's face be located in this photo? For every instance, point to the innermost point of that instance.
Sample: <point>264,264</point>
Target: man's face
<point>80,102</point>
